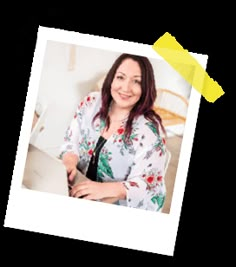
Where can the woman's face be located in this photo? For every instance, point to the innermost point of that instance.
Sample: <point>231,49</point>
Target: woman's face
<point>126,85</point>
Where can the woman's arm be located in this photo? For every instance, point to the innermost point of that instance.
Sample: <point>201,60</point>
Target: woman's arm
<point>69,150</point>
<point>106,192</point>
<point>145,186</point>
<point>70,160</point>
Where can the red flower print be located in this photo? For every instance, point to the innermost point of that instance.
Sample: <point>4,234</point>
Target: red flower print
<point>88,98</point>
<point>89,143</point>
<point>120,130</point>
<point>75,115</point>
<point>150,179</point>
<point>81,104</point>
<point>120,140</point>
<point>90,152</point>
<point>159,178</point>
<point>164,140</point>
<point>133,184</point>
<point>135,139</point>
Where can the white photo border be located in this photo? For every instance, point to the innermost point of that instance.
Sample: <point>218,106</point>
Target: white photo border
<point>87,220</point>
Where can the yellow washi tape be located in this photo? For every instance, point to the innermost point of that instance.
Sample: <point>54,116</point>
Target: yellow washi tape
<point>176,56</point>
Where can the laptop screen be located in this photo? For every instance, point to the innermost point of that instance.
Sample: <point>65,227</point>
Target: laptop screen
<point>44,173</point>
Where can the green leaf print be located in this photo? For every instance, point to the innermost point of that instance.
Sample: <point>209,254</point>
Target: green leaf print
<point>152,128</point>
<point>102,124</point>
<point>159,200</point>
<point>104,166</point>
<point>159,142</point>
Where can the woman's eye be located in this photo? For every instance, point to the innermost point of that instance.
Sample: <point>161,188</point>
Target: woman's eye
<point>137,81</point>
<point>120,77</point>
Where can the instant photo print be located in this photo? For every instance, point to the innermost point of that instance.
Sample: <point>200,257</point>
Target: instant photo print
<point>67,66</point>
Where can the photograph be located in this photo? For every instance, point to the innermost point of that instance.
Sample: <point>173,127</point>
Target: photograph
<point>107,134</point>
<point>72,79</point>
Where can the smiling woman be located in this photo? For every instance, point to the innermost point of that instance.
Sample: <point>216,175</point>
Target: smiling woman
<point>116,139</point>
<point>126,86</point>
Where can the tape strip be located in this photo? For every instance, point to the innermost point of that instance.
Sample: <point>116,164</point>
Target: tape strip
<point>176,56</point>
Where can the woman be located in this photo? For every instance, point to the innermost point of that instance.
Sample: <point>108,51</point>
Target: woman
<point>116,140</point>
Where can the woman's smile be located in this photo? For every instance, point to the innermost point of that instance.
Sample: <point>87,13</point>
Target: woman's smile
<point>124,96</point>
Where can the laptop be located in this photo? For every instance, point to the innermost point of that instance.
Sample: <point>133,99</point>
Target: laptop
<point>46,173</point>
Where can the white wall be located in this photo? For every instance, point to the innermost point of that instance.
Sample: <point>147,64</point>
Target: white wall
<point>61,90</point>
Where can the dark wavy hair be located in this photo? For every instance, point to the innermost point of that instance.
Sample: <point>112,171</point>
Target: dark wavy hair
<point>146,102</point>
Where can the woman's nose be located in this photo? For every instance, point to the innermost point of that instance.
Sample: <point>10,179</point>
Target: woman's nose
<point>126,86</point>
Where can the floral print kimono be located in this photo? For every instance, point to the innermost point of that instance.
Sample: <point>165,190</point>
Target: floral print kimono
<point>138,164</point>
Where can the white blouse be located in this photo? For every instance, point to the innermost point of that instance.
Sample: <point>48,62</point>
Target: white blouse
<point>138,164</point>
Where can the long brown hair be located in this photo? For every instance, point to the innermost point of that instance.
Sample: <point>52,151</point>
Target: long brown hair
<point>146,102</point>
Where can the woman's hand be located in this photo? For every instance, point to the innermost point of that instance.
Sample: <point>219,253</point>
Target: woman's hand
<point>70,161</point>
<point>97,191</point>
